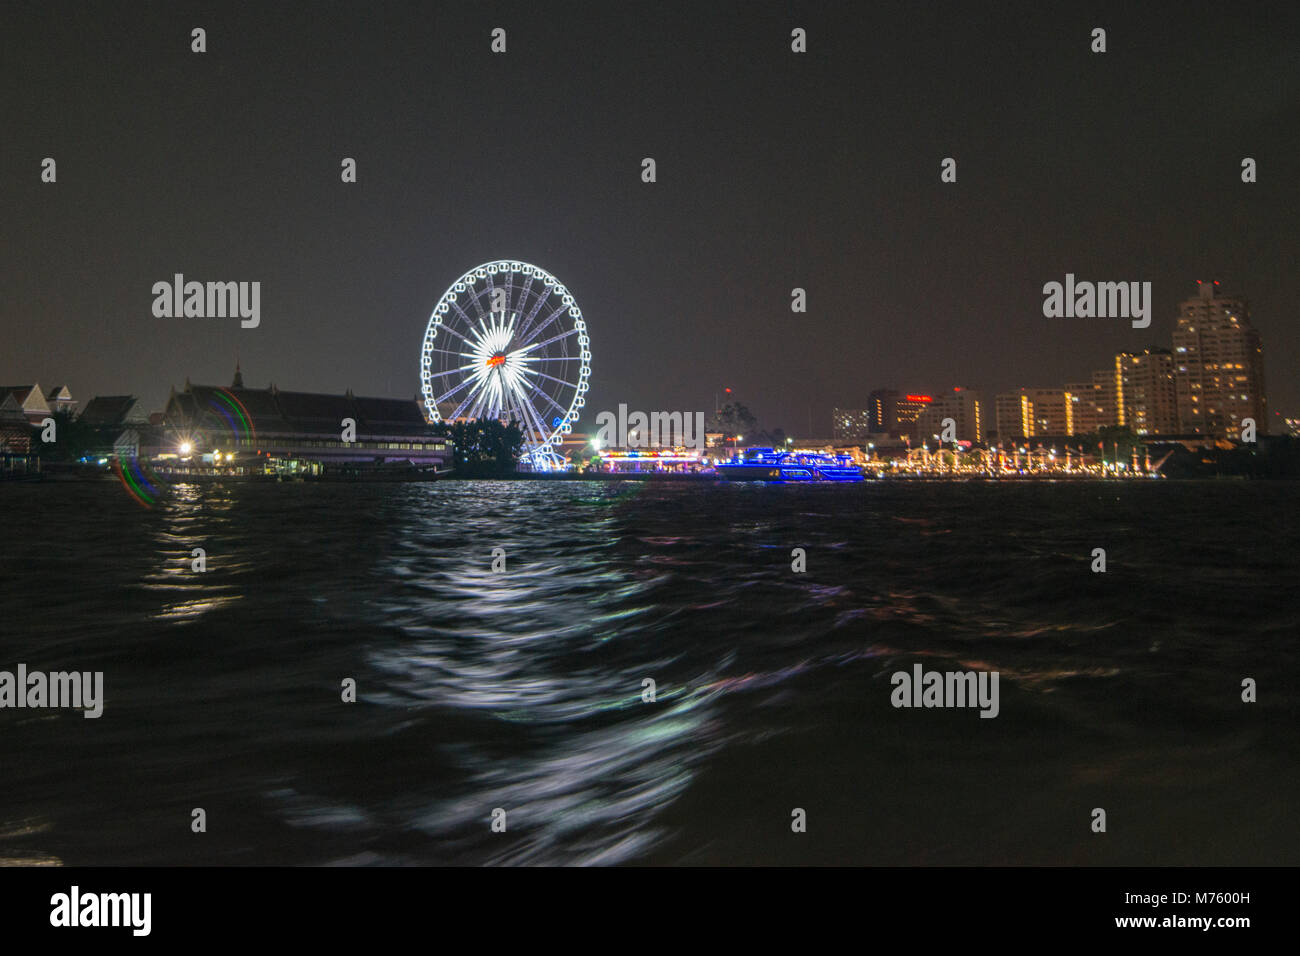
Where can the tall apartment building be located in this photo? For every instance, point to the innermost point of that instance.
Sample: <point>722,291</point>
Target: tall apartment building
<point>964,406</point>
<point>1015,415</point>
<point>1095,403</point>
<point>880,409</point>
<point>1089,409</point>
<point>1148,403</point>
<point>850,423</point>
<point>1035,411</point>
<point>895,413</point>
<point>1053,411</point>
<point>1218,365</point>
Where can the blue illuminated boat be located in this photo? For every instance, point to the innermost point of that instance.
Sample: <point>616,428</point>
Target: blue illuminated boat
<point>766,464</point>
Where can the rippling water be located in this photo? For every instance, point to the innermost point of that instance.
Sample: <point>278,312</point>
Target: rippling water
<point>523,690</point>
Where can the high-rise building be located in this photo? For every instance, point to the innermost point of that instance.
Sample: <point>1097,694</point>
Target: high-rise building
<point>1106,387</point>
<point>1218,365</point>
<point>1053,411</point>
<point>966,409</point>
<point>880,406</point>
<point>850,422</point>
<point>1015,415</point>
<point>1148,402</point>
<point>907,409</point>
<point>1035,411</point>
<point>895,413</point>
<point>1089,407</point>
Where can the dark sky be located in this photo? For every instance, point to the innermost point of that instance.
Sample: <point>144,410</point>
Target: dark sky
<point>775,170</point>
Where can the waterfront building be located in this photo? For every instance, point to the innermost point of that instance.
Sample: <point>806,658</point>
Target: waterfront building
<point>15,429</point>
<point>30,399</point>
<point>1106,385</point>
<point>1218,365</point>
<point>267,429</point>
<point>1051,410</point>
<point>59,399</point>
<point>894,413</point>
<point>1148,402</point>
<point>964,406</point>
<point>1015,415</point>
<point>1088,412</point>
<point>1095,404</point>
<point>107,411</point>
<point>851,423</point>
<point>880,411</point>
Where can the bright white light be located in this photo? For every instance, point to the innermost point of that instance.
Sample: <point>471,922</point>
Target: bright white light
<point>186,448</point>
<point>515,362</point>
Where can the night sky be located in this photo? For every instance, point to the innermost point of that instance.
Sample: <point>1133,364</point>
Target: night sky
<point>775,170</point>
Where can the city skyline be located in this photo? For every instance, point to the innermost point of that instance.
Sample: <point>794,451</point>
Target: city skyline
<point>1075,408</point>
<point>1210,382</point>
<point>844,201</point>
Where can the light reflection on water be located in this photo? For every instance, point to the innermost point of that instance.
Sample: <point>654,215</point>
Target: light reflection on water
<point>523,690</point>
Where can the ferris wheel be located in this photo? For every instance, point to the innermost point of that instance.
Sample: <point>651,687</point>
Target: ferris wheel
<point>507,341</point>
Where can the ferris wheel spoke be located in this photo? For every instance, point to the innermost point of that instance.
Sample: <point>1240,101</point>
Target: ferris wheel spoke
<point>473,403</point>
<point>481,404</point>
<point>457,333</point>
<point>537,330</point>
<point>510,293</point>
<point>451,371</point>
<point>446,395</point>
<point>464,355</point>
<point>529,419</point>
<point>552,378</point>
<point>522,421</point>
<point>532,313</point>
<point>542,430</point>
<point>556,338</point>
<point>474,296</point>
<point>524,290</point>
<point>554,404</point>
<point>508,408</point>
<point>461,312</point>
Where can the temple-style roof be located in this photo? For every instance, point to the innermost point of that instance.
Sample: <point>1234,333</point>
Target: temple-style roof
<point>271,411</point>
<point>107,410</point>
<point>23,393</point>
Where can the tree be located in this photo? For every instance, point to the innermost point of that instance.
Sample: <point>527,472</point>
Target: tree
<point>775,438</point>
<point>1110,436</point>
<point>73,439</point>
<point>733,419</point>
<point>484,447</point>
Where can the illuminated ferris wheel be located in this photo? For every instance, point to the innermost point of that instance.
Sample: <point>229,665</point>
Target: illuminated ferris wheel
<point>507,341</point>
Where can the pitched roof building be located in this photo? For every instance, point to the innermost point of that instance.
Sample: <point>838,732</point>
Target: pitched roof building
<point>29,398</point>
<point>105,411</point>
<point>306,426</point>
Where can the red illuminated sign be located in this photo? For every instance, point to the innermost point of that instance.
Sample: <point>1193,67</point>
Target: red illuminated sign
<point>919,398</point>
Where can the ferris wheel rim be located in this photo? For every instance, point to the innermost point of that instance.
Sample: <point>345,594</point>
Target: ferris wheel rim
<point>506,385</point>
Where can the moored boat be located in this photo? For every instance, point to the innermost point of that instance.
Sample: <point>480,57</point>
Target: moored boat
<point>767,464</point>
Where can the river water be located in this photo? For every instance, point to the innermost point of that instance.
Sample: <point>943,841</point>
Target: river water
<point>522,690</point>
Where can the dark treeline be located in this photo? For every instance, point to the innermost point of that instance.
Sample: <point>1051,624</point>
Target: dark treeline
<point>1269,457</point>
<point>485,447</point>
